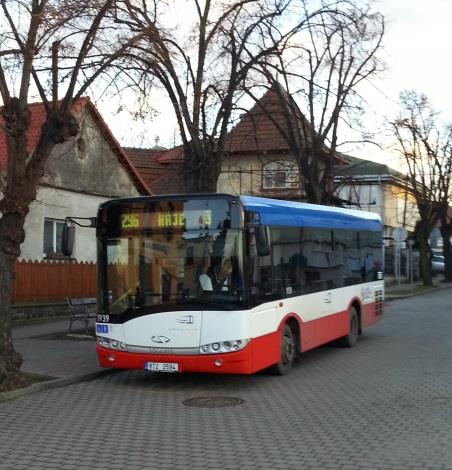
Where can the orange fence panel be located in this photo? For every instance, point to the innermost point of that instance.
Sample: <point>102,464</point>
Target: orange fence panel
<point>48,280</point>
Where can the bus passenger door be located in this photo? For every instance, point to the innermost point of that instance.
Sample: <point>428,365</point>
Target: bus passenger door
<point>324,322</point>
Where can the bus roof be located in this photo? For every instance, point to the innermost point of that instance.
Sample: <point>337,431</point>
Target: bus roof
<point>300,214</point>
<point>277,212</point>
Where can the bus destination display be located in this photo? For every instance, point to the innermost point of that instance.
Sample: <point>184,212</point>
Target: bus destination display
<point>189,219</point>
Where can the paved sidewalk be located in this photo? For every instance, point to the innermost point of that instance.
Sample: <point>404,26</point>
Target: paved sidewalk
<point>66,360</point>
<point>404,289</point>
<point>48,352</point>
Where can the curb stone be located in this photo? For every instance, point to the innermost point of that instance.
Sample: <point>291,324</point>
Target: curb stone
<point>389,296</point>
<point>54,383</point>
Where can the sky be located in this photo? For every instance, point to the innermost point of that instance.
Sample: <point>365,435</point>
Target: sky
<point>418,47</point>
<point>417,51</point>
<point>418,55</point>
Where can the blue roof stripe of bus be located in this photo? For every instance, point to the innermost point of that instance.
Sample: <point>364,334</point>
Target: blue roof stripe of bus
<point>275,212</point>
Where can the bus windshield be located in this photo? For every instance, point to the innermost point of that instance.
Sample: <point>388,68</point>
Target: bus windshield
<point>156,271</point>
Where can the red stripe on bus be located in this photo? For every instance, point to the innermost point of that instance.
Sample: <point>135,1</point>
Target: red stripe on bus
<point>261,352</point>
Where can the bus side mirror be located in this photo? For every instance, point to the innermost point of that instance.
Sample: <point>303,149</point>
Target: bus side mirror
<point>67,239</point>
<point>262,234</point>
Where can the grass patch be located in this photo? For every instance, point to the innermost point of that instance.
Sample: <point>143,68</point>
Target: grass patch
<point>419,289</point>
<point>24,380</point>
<point>36,378</point>
<point>76,335</point>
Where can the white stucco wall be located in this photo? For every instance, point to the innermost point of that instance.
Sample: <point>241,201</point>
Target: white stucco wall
<point>242,174</point>
<point>88,164</point>
<point>57,204</point>
<point>388,200</point>
<point>80,174</point>
<point>369,197</point>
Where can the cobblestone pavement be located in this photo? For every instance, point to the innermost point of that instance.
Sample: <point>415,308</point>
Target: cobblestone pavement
<point>385,404</point>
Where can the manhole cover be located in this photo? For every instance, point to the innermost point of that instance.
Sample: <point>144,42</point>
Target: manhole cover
<point>213,402</point>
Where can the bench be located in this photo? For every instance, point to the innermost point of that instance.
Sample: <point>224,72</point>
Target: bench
<point>81,310</point>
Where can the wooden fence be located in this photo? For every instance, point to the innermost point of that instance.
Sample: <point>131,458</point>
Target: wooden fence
<point>41,281</point>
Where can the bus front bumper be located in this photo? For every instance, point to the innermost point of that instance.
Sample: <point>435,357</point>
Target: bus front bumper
<point>230,363</point>
<point>257,355</point>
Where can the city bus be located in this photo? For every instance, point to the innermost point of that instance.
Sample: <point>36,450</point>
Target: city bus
<point>218,283</point>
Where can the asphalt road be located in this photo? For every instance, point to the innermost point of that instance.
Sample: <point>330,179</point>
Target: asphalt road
<point>385,404</point>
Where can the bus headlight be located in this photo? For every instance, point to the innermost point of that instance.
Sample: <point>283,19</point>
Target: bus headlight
<point>111,343</point>
<point>224,346</point>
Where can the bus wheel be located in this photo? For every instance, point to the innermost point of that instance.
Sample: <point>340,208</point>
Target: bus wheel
<point>352,338</point>
<point>288,352</point>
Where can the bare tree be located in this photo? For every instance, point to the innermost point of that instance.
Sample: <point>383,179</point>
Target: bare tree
<point>203,67</point>
<point>425,146</point>
<point>53,51</point>
<point>317,77</point>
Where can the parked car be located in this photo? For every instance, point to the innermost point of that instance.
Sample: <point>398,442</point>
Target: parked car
<point>437,264</point>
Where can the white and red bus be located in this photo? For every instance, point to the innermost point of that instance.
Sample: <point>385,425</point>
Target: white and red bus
<point>232,284</point>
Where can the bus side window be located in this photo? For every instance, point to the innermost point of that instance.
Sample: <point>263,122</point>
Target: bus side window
<point>260,269</point>
<point>370,255</point>
<point>289,260</point>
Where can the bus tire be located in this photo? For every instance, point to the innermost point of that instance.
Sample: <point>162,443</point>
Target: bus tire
<point>288,352</point>
<point>351,338</point>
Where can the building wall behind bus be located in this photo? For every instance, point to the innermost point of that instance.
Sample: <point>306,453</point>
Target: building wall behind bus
<point>56,204</point>
<point>243,174</point>
<point>81,174</point>
<point>395,207</point>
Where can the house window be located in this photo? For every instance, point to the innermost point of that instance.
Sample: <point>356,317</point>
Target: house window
<point>281,174</point>
<point>53,230</point>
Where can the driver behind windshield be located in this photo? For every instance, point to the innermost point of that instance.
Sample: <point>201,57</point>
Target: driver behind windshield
<point>217,277</point>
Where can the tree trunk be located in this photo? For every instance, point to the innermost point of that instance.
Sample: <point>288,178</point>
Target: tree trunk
<point>13,208</point>
<point>201,169</point>
<point>421,235</point>
<point>446,234</point>
<point>22,179</point>
<point>10,360</point>
<point>316,173</point>
<point>310,175</point>
<point>313,193</point>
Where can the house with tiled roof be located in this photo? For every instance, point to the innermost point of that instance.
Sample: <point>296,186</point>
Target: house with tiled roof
<point>257,158</point>
<point>378,188</point>
<point>80,174</point>
<point>159,167</point>
<point>259,161</point>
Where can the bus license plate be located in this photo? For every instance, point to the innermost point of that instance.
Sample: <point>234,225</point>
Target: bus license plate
<point>161,366</point>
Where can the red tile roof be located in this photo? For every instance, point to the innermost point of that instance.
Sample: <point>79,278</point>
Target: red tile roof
<point>176,154</point>
<point>145,158</point>
<point>172,182</point>
<point>147,163</point>
<point>38,117</point>
<point>160,168</point>
<point>256,132</point>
